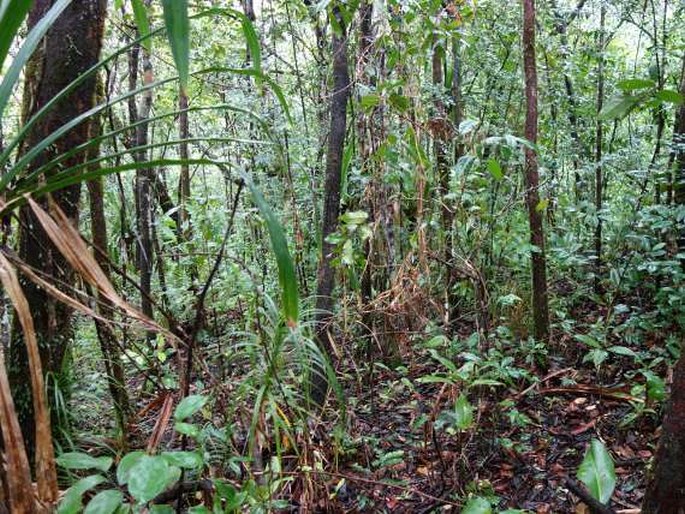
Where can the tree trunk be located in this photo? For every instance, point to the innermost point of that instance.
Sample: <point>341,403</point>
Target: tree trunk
<point>666,490</point>
<point>143,180</point>
<point>109,346</point>
<point>331,208</point>
<point>71,47</point>
<point>599,140</point>
<point>537,236</point>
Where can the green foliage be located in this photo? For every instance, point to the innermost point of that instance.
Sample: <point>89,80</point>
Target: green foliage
<point>178,33</point>
<point>597,471</point>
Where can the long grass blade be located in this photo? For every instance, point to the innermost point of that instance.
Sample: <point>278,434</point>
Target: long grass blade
<point>12,14</point>
<point>178,32</point>
<point>143,24</point>
<point>287,278</point>
<point>46,469</point>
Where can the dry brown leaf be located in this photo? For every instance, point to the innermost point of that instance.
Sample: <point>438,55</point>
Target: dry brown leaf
<point>46,469</point>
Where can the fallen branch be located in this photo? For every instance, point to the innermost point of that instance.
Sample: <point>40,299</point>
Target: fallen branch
<point>614,394</point>
<point>595,506</point>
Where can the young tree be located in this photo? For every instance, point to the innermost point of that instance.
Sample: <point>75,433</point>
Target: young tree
<point>532,179</point>
<point>331,207</point>
<point>71,47</point>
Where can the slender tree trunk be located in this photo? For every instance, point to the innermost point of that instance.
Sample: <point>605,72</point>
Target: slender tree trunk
<point>537,236</point>
<point>109,346</point>
<point>679,173</point>
<point>143,180</point>
<point>599,141</point>
<point>71,47</point>
<point>331,208</point>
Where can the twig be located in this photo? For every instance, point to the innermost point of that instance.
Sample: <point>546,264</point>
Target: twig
<point>595,506</point>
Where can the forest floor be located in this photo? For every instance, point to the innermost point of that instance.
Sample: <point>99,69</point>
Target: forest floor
<point>523,464</point>
<point>401,451</point>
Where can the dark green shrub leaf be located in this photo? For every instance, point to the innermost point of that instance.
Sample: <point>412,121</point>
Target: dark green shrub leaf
<point>189,406</point>
<point>72,501</point>
<point>127,462</point>
<point>105,502</point>
<point>477,506</point>
<point>150,476</point>
<point>79,460</point>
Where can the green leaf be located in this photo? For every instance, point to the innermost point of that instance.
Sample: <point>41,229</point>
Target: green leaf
<point>542,205</point>
<point>162,509</point>
<point>633,84</point>
<point>150,476</point>
<point>178,32</point>
<point>252,40</point>
<point>127,462</point>
<point>622,350</point>
<point>618,107</point>
<point>189,406</point>
<point>656,387</point>
<point>286,269</point>
<point>370,101</point>
<point>143,24</point>
<point>597,472</point>
<point>463,413</point>
<point>669,96</point>
<point>399,102</point>
<point>72,501</point>
<point>477,506</point>
<point>78,460</point>
<point>188,460</point>
<point>495,169</point>
<point>105,502</point>
<point>187,429</point>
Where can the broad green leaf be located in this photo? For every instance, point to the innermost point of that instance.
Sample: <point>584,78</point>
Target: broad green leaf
<point>187,429</point>
<point>105,502</point>
<point>588,340</point>
<point>189,406</point>
<point>178,32</point>
<point>618,107</point>
<point>633,84</point>
<point>463,413</point>
<point>72,500</point>
<point>188,460</point>
<point>597,472</point>
<point>477,506</point>
<point>127,462</point>
<point>252,41</point>
<point>495,169</point>
<point>143,24</point>
<point>150,476</point>
<point>656,387</point>
<point>286,269</point>
<point>32,40</point>
<point>79,460</point>
<point>668,96</point>
<point>199,509</point>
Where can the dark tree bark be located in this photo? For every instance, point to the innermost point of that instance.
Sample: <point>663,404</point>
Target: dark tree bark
<point>666,490</point>
<point>537,236</point>
<point>599,142</point>
<point>144,178</point>
<point>71,47</point>
<point>331,208</point>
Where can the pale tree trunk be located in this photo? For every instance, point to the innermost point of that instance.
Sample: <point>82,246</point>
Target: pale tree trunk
<point>532,179</point>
